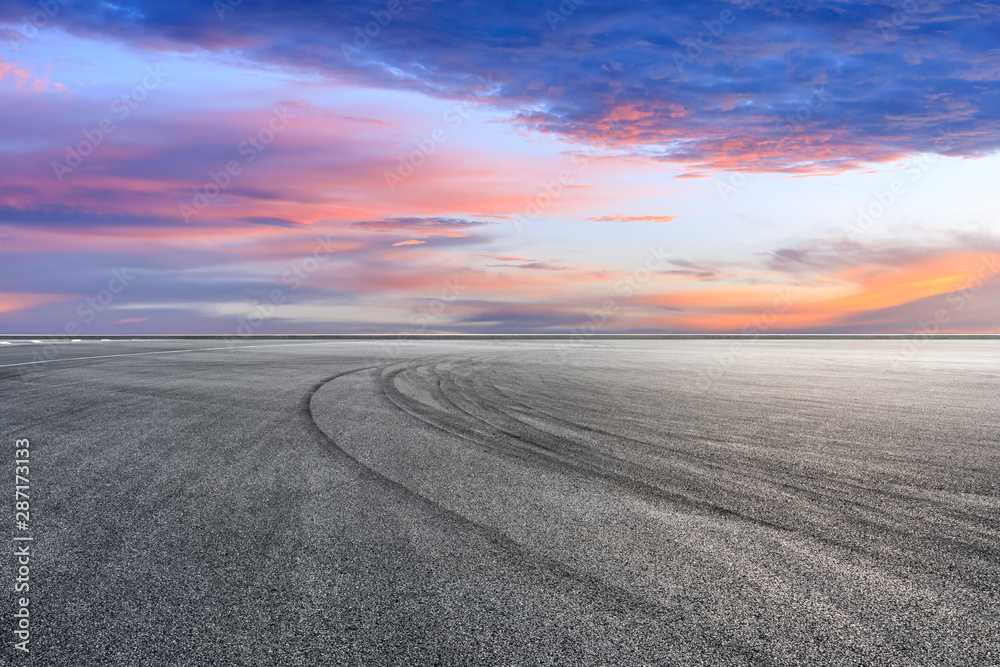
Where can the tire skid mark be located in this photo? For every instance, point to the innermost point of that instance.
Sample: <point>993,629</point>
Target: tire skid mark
<point>613,597</point>
<point>560,453</point>
<point>839,488</point>
<point>486,424</point>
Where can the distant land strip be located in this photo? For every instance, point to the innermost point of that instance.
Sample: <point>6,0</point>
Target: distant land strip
<point>371,337</point>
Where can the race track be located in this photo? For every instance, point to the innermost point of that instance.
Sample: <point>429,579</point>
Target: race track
<point>275,502</point>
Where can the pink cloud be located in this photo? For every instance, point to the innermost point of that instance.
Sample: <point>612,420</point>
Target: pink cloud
<point>635,218</point>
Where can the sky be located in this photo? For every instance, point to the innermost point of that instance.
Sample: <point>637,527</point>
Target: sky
<point>411,166</point>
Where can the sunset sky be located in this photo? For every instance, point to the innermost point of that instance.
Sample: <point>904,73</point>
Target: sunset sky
<point>499,167</point>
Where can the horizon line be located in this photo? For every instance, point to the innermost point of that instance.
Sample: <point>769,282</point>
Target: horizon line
<point>528,336</point>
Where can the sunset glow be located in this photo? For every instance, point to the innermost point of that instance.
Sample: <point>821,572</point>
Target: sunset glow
<point>691,163</point>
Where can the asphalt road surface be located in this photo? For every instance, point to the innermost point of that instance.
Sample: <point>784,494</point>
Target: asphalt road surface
<point>524,503</point>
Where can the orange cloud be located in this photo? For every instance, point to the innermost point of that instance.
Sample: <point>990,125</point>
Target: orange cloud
<point>835,299</point>
<point>10,302</point>
<point>635,218</point>
<point>933,276</point>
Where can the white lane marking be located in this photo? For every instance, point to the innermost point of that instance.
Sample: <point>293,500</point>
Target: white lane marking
<point>196,349</point>
<point>36,341</point>
<point>4,342</point>
<point>75,340</point>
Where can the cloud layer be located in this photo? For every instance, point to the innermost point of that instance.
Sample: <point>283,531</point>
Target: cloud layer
<point>460,166</point>
<point>803,86</point>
